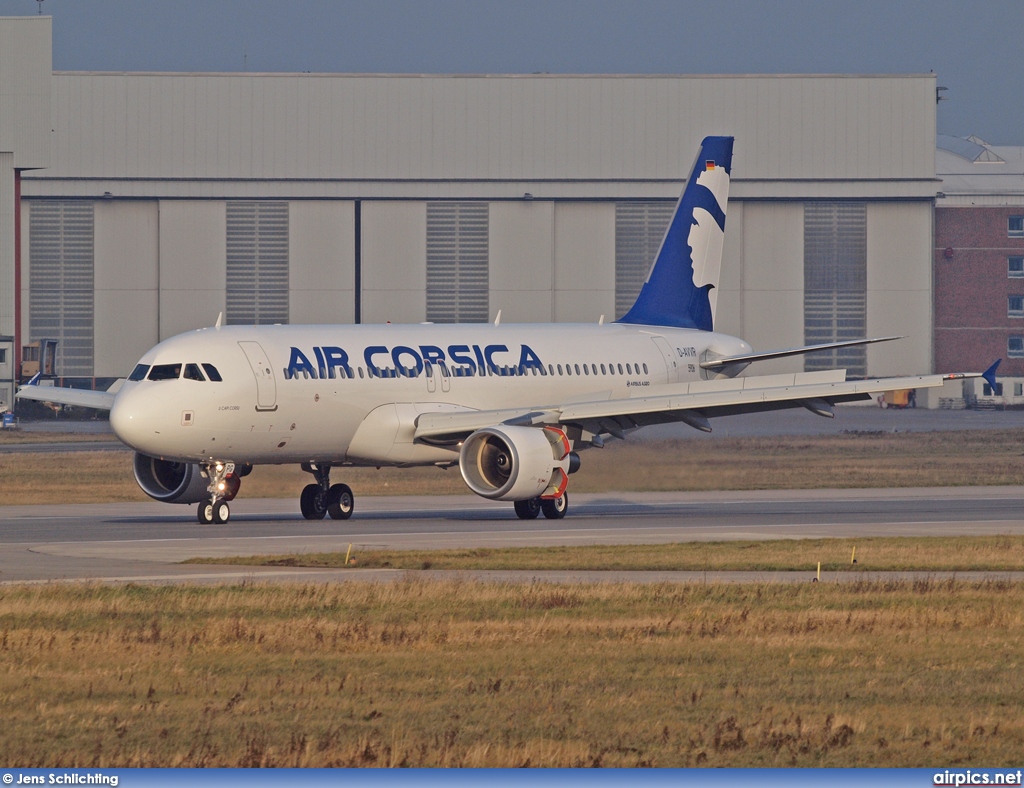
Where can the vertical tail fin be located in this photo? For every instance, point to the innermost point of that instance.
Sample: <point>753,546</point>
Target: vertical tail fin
<point>681,288</point>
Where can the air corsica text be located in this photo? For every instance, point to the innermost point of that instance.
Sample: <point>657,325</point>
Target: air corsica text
<point>325,360</point>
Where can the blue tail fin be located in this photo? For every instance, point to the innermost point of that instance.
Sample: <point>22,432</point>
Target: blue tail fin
<point>681,288</point>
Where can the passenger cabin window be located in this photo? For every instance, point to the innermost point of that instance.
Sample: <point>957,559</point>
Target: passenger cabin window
<point>192,373</point>
<point>212,373</point>
<point>165,372</point>
<point>139,373</point>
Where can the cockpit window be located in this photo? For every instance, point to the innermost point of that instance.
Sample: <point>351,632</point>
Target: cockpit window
<point>192,372</point>
<point>139,373</point>
<point>212,373</point>
<point>165,372</point>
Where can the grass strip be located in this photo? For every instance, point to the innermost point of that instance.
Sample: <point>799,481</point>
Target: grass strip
<point>949,554</point>
<point>17,436</point>
<point>912,459</point>
<point>466,674</point>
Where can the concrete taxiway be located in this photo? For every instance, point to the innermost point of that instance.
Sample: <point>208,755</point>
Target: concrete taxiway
<point>143,542</point>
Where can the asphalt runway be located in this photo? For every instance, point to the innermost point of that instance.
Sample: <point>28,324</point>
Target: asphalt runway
<point>143,542</point>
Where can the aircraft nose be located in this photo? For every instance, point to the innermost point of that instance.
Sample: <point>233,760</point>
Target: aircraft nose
<point>127,420</point>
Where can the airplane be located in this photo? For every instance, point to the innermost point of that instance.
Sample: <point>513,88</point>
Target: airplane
<point>511,405</point>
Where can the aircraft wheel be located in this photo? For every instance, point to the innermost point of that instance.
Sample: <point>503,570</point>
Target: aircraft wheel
<point>205,513</point>
<point>221,512</point>
<point>555,509</point>
<point>340,502</point>
<point>528,509</point>
<point>313,502</point>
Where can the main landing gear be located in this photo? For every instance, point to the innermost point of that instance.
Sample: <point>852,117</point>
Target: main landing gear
<point>323,498</point>
<point>223,487</point>
<point>553,509</point>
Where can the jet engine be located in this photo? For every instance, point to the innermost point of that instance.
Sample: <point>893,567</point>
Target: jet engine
<point>170,482</point>
<point>516,463</point>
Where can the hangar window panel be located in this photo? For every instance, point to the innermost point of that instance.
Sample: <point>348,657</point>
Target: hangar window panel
<point>639,230</point>
<point>835,283</point>
<point>257,263</point>
<point>61,290</point>
<point>458,278</point>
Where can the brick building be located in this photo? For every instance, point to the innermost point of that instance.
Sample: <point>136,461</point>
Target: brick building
<point>979,260</point>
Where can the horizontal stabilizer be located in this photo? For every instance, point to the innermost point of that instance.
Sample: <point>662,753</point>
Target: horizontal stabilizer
<point>748,358</point>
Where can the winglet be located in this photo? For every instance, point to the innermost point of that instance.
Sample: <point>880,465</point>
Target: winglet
<point>34,380</point>
<point>220,320</point>
<point>990,374</point>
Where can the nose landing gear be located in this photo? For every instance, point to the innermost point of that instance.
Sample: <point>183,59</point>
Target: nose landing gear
<point>323,498</point>
<point>223,487</point>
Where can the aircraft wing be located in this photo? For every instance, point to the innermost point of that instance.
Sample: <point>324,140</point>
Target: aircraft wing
<point>691,403</point>
<point>82,398</point>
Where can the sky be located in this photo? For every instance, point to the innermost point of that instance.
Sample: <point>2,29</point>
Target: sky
<point>973,47</point>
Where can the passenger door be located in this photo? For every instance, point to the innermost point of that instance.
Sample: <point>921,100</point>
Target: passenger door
<point>266,385</point>
<point>671,362</point>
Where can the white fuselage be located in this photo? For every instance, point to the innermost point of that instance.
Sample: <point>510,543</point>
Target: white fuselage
<point>351,394</point>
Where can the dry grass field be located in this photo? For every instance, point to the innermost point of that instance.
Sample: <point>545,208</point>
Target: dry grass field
<point>463,674</point>
<point>829,461</point>
<point>928,554</point>
<point>14,437</point>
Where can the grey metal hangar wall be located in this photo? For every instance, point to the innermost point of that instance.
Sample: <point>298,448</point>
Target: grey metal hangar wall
<point>333,198</point>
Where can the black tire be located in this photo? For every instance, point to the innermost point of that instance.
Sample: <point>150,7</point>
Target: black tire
<point>340,502</point>
<point>313,502</point>
<point>555,509</point>
<point>528,509</point>
<point>221,512</point>
<point>204,513</point>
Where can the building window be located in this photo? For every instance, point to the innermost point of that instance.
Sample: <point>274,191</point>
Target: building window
<point>3,355</point>
<point>1015,347</point>
<point>835,283</point>
<point>639,230</point>
<point>257,263</point>
<point>1015,227</point>
<point>1018,389</point>
<point>61,290</point>
<point>458,278</point>
<point>1015,266</point>
<point>988,391</point>
<point>1015,306</point>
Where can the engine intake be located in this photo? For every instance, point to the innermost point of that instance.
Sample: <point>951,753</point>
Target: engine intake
<point>170,482</point>
<point>515,463</point>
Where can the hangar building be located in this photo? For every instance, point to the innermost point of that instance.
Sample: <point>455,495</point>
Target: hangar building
<point>134,206</point>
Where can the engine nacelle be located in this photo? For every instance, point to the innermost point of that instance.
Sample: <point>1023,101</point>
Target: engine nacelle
<point>170,482</point>
<point>515,463</point>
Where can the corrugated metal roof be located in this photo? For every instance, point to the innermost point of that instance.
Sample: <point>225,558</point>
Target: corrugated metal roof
<point>493,127</point>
